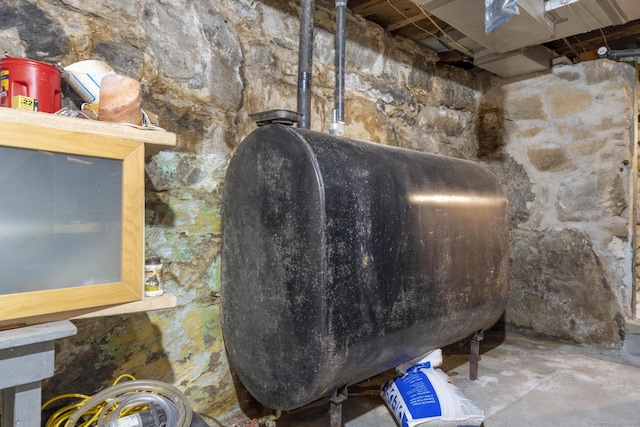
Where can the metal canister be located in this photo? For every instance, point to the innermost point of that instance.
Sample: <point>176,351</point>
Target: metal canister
<point>153,277</point>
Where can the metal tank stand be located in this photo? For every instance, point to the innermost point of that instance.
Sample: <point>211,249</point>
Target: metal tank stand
<point>338,396</point>
<point>475,354</point>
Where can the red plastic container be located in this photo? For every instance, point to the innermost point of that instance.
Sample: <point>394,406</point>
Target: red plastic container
<point>29,84</point>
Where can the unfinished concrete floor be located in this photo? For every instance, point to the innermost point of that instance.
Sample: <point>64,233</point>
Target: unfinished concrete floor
<point>522,382</point>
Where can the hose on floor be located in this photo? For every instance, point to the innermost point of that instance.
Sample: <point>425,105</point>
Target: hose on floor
<point>158,401</point>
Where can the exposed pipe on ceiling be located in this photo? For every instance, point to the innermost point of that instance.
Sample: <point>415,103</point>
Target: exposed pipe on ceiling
<point>605,52</point>
<point>337,125</point>
<point>305,62</point>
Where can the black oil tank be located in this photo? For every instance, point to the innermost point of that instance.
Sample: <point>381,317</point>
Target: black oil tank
<point>342,259</point>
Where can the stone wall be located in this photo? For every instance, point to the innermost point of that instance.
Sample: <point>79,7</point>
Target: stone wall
<point>569,140</point>
<point>205,66</point>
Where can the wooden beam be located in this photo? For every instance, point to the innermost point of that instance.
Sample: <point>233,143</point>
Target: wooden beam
<point>406,22</point>
<point>369,7</point>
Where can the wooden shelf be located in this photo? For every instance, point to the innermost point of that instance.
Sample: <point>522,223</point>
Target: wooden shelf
<point>149,137</point>
<point>161,302</point>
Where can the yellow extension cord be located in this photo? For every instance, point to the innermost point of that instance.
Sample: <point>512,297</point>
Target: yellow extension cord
<point>61,417</point>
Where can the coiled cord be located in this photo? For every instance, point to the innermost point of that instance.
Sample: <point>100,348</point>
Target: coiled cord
<point>104,408</point>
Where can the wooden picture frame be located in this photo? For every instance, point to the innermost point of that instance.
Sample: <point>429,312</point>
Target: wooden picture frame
<point>21,308</point>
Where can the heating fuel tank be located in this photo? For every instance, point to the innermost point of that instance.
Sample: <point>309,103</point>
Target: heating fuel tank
<point>342,259</point>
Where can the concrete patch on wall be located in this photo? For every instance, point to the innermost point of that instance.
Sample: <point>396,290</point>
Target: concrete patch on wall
<point>586,148</point>
<point>580,178</point>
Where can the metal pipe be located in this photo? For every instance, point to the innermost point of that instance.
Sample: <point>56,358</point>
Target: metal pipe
<point>305,61</point>
<point>337,125</point>
<point>605,52</point>
<point>475,355</point>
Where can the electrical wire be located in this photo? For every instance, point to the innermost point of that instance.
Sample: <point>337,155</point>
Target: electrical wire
<point>212,418</point>
<point>463,49</point>
<point>62,415</point>
<point>577,55</point>
<point>184,413</point>
<point>120,400</point>
<point>605,39</point>
<point>581,45</point>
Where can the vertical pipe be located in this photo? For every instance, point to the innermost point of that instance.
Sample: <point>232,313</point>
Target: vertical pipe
<point>633,196</point>
<point>337,125</point>
<point>305,60</point>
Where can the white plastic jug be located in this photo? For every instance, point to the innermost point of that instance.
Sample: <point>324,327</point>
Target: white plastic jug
<point>85,76</point>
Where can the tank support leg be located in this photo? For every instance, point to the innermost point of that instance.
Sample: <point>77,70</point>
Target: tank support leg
<point>475,354</point>
<point>339,396</point>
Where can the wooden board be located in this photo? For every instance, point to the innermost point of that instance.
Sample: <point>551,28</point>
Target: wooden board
<point>163,302</point>
<point>117,130</point>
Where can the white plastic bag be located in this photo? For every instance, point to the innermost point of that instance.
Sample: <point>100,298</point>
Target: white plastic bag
<point>497,12</point>
<point>426,396</point>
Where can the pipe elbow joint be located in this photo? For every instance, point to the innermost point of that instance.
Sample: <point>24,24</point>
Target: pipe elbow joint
<point>604,52</point>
